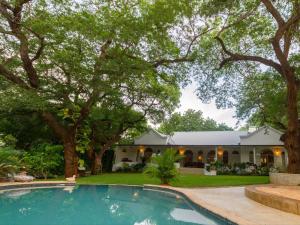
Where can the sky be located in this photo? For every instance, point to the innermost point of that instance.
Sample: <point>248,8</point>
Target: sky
<point>189,100</point>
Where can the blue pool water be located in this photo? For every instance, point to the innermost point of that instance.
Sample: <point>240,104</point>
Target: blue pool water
<point>99,205</point>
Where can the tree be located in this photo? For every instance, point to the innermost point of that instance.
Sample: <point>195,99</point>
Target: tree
<point>262,100</point>
<point>191,120</point>
<point>107,128</point>
<point>18,123</point>
<point>63,58</point>
<point>252,36</point>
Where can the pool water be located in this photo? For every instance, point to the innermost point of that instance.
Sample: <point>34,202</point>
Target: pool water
<point>99,205</point>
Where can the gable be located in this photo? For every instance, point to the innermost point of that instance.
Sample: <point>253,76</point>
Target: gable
<point>151,138</point>
<point>263,136</point>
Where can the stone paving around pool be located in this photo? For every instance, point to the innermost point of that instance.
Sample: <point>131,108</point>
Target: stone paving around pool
<point>231,203</point>
<point>285,198</point>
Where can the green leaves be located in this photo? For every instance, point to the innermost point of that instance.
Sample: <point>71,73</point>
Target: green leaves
<point>9,161</point>
<point>191,120</point>
<point>44,160</point>
<point>163,166</point>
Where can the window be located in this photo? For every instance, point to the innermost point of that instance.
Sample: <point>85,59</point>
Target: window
<point>267,158</point>
<point>225,157</point>
<point>235,153</point>
<point>211,156</point>
<point>148,154</point>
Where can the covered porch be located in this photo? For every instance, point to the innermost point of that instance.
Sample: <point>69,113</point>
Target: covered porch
<point>198,156</point>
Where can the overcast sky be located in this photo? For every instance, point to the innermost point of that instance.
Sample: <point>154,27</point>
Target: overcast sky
<point>189,100</point>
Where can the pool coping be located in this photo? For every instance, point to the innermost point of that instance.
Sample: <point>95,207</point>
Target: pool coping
<point>223,215</point>
<point>35,184</point>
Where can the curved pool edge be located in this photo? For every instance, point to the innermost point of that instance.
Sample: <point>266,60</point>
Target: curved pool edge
<point>197,203</point>
<point>35,184</point>
<point>222,214</point>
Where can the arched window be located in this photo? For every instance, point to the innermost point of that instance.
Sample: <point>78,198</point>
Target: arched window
<point>225,157</point>
<point>188,156</point>
<point>251,157</point>
<point>211,156</point>
<point>235,157</point>
<point>148,153</point>
<point>267,158</point>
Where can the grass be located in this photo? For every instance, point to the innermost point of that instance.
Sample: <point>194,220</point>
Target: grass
<point>187,180</point>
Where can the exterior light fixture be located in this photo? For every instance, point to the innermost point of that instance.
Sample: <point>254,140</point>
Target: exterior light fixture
<point>220,151</point>
<point>142,149</point>
<point>181,151</point>
<point>277,151</point>
<point>200,157</point>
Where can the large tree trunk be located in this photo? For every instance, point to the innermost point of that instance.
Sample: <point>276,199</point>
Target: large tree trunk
<point>67,137</point>
<point>70,156</point>
<point>97,162</point>
<point>292,140</point>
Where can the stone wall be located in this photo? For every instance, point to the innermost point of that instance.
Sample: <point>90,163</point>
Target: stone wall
<point>285,179</point>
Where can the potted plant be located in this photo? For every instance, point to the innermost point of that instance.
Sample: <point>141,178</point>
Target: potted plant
<point>210,169</point>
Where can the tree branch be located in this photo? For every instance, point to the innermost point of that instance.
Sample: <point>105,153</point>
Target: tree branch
<point>52,122</point>
<point>241,57</point>
<point>12,77</point>
<point>14,21</point>
<point>275,13</point>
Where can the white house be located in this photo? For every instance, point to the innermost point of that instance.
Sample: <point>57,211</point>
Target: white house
<point>261,147</point>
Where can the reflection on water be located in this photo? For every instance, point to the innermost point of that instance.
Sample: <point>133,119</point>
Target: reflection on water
<point>97,205</point>
<point>15,194</point>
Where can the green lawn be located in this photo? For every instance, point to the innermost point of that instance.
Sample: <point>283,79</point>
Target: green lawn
<point>183,180</point>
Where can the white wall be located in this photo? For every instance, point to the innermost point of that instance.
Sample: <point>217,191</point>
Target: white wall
<point>125,152</point>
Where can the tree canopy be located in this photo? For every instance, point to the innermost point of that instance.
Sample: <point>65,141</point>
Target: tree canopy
<point>61,58</point>
<point>250,38</point>
<point>190,120</point>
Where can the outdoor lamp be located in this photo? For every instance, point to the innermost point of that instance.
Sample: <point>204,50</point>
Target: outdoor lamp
<point>220,151</point>
<point>142,150</point>
<point>200,157</point>
<point>277,151</point>
<point>181,151</point>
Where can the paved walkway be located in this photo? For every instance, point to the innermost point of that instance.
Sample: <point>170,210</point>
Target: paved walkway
<point>233,204</point>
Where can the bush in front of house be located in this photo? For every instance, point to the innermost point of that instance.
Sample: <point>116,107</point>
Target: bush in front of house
<point>135,168</point>
<point>244,169</point>
<point>163,166</point>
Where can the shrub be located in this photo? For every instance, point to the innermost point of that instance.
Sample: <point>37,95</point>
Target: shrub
<point>163,166</point>
<point>139,167</point>
<point>9,162</point>
<point>44,160</point>
<point>244,169</point>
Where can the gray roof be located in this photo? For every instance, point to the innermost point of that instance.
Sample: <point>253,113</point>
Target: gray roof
<point>207,138</point>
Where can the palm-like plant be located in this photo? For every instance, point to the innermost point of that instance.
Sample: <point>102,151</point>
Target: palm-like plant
<point>8,162</point>
<point>163,166</point>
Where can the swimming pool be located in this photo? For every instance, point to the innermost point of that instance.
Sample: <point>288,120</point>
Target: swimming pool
<point>100,205</point>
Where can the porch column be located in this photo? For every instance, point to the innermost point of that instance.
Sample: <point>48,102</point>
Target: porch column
<point>216,153</point>
<point>254,156</point>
